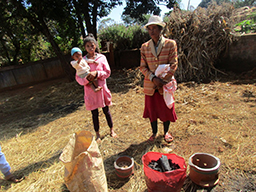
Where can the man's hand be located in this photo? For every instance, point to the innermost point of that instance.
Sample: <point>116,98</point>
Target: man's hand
<point>158,82</point>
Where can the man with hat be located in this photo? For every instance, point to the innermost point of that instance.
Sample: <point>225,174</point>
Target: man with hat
<point>158,50</point>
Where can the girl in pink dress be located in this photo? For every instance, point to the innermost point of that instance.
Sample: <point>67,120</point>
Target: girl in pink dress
<point>100,70</point>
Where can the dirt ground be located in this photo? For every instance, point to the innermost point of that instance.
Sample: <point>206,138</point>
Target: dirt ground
<point>217,118</point>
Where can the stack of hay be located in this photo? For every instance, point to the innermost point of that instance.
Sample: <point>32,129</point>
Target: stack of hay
<point>201,36</point>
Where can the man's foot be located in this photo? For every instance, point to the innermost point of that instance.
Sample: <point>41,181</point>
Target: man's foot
<point>112,133</point>
<point>14,179</point>
<point>168,137</point>
<point>152,138</point>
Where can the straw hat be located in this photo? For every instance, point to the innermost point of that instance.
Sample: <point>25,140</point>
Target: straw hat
<point>155,20</point>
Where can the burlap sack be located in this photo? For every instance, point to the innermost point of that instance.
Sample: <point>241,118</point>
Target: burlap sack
<point>84,169</point>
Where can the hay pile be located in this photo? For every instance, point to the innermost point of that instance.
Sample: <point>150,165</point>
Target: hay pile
<point>201,36</point>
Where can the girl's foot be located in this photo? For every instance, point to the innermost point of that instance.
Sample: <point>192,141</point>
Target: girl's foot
<point>98,137</point>
<point>98,140</point>
<point>112,133</point>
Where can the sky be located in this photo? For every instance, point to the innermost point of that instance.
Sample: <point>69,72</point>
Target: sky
<point>117,12</point>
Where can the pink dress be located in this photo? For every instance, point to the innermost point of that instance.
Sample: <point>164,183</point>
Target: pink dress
<point>101,98</point>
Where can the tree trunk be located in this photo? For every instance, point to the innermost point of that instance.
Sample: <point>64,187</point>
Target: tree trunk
<point>80,20</point>
<point>94,18</point>
<point>87,19</point>
<point>64,62</point>
<point>17,50</point>
<point>81,25</point>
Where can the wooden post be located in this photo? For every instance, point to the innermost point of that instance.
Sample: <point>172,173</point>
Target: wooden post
<point>110,49</point>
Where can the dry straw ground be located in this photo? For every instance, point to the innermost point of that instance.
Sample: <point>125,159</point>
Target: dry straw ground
<point>217,118</point>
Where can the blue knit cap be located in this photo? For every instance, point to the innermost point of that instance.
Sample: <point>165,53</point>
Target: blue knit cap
<point>74,50</point>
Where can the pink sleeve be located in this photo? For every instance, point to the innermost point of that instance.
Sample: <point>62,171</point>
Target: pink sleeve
<point>106,69</point>
<point>81,81</point>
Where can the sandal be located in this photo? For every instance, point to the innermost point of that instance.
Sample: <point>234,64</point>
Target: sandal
<point>168,137</point>
<point>14,179</point>
<point>152,138</point>
<point>98,140</point>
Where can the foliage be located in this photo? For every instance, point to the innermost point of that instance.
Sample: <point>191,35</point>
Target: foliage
<point>32,25</point>
<point>89,12</point>
<point>206,3</point>
<point>137,8</point>
<point>236,3</point>
<point>128,20</point>
<point>34,29</point>
<point>242,3</point>
<point>105,23</point>
<point>124,37</point>
<point>248,25</point>
<point>17,36</point>
<point>41,50</point>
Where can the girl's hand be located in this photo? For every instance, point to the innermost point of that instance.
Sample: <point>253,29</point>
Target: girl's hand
<point>158,82</point>
<point>92,75</point>
<point>78,61</point>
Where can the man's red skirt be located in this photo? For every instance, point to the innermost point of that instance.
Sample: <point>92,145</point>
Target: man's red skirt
<point>155,107</point>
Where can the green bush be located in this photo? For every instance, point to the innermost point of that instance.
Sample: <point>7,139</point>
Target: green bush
<point>248,25</point>
<point>123,37</point>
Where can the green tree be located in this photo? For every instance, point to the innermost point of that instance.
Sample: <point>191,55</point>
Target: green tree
<point>90,12</point>
<point>137,8</point>
<point>128,20</point>
<point>242,3</point>
<point>38,13</point>
<point>105,23</point>
<point>205,3</point>
<point>17,36</point>
<point>61,22</point>
<point>124,37</point>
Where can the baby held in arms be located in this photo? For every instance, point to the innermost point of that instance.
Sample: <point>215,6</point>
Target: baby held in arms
<point>82,67</point>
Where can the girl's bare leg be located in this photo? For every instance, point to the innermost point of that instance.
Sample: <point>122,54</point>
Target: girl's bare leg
<point>95,84</point>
